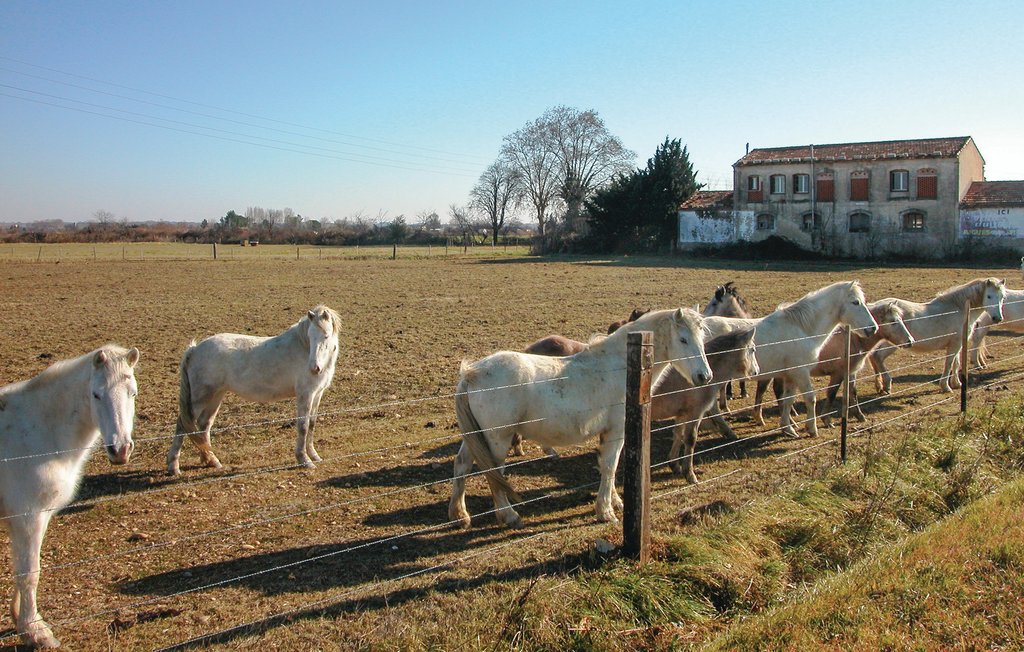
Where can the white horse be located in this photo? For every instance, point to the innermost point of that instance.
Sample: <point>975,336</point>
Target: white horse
<point>1013,320</point>
<point>299,362</point>
<point>562,401</point>
<point>939,324</point>
<point>48,425</point>
<point>789,339</point>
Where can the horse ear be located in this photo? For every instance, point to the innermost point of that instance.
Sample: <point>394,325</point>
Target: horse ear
<point>677,316</point>
<point>133,357</point>
<point>311,316</point>
<point>99,359</point>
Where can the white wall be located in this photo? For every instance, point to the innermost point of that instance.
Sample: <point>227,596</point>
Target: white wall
<point>716,227</point>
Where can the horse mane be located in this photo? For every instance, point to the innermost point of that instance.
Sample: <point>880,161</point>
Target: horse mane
<point>969,291</point>
<point>728,342</point>
<point>333,317</point>
<point>802,312</point>
<point>58,370</point>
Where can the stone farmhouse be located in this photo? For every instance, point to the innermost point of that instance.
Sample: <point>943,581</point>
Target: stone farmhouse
<point>865,199</point>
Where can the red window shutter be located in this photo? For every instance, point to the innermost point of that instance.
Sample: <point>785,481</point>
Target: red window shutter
<point>927,188</point>
<point>859,189</point>
<point>825,190</point>
<point>755,195</point>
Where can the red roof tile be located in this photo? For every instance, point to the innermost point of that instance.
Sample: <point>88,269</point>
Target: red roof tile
<point>873,151</point>
<point>704,200</point>
<point>994,193</point>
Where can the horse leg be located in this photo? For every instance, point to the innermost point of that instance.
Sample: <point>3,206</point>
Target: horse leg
<point>690,443</point>
<point>202,438</point>
<point>457,505</point>
<point>517,445</point>
<point>608,499</point>
<point>723,426</point>
<point>724,394</point>
<point>883,379</point>
<point>806,387</point>
<point>310,449</point>
<point>503,509</point>
<point>304,408</point>
<point>743,389</point>
<point>758,415</point>
<point>27,534</point>
<point>854,401</point>
<point>835,381</point>
<point>785,413</point>
<point>673,453</point>
<point>950,379</point>
<point>175,450</point>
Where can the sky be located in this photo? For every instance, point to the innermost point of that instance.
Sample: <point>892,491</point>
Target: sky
<point>184,110</point>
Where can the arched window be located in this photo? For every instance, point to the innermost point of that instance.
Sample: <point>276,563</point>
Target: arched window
<point>914,222</point>
<point>765,222</point>
<point>860,222</point>
<point>810,221</point>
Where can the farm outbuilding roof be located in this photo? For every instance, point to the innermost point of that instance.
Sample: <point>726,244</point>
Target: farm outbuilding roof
<point>991,194</point>
<point>704,200</point>
<point>867,151</point>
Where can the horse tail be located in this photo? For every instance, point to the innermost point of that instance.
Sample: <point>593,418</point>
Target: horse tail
<point>186,419</point>
<point>473,436</point>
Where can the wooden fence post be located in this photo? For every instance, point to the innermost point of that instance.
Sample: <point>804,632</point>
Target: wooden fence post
<point>964,336</point>
<point>215,251</point>
<point>845,418</point>
<point>636,460</point>
<point>394,251</point>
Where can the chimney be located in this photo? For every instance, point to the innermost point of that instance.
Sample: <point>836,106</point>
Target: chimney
<point>748,149</point>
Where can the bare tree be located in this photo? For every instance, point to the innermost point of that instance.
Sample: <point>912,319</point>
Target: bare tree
<point>463,221</point>
<point>528,153</point>
<point>588,155</point>
<point>496,195</point>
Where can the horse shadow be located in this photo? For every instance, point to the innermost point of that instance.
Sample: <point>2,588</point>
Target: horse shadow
<point>568,565</point>
<point>120,482</point>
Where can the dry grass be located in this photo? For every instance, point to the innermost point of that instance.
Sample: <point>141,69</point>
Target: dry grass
<point>408,324</point>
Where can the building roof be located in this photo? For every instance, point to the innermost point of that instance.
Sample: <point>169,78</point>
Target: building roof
<point>871,151</point>
<point>706,200</point>
<point>986,194</point>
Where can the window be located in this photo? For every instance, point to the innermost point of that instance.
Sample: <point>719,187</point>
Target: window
<point>860,222</point>
<point>913,222</point>
<point>858,186</point>
<point>899,181</point>
<point>810,221</point>
<point>801,184</point>
<point>927,183</point>
<point>777,184</point>
<point>826,188</point>
<point>754,192</point>
<point>765,222</point>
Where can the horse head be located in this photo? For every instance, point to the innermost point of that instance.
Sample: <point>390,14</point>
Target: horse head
<point>750,366</point>
<point>726,302</point>
<point>995,292</point>
<point>853,312</point>
<point>891,327</point>
<point>686,346</point>
<point>322,332</point>
<point>113,388</point>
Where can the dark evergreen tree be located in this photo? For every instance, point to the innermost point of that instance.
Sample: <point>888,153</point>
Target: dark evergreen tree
<point>639,211</point>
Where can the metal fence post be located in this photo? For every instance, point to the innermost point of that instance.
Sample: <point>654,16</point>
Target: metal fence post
<point>636,522</point>
<point>845,418</point>
<point>963,357</point>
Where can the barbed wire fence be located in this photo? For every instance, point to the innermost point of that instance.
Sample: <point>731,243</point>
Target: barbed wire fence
<point>637,498</point>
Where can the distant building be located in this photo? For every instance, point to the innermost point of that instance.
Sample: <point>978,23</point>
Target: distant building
<point>917,197</point>
<point>994,210</point>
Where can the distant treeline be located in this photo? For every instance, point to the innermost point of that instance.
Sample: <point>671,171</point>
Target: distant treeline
<point>338,233</point>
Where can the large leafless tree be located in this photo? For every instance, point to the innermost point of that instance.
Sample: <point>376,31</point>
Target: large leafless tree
<point>528,153</point>
<point>588,155</point>
<point>496,195</point>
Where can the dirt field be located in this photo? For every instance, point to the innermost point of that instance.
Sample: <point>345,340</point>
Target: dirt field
<point>148,561</point>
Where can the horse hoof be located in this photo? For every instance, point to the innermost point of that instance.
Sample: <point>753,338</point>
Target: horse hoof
<point>173,471</point>
<point>552,452</point>
<point>518,451</point>
<point>861,418</point>
<point>316,458</point>
<point>791,433</point>
<point>40,637</point>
